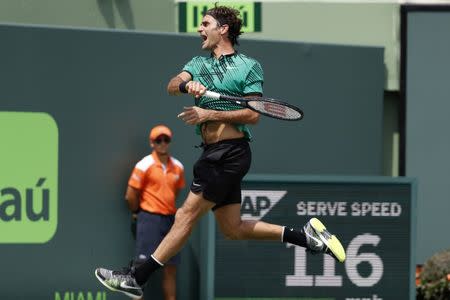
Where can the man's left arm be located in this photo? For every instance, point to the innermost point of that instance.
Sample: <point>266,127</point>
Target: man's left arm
<point>195,115</point>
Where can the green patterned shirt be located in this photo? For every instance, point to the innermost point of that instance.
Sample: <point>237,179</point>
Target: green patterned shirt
<point>233,74</point>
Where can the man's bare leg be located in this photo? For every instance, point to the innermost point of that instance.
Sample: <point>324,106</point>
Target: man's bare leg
<point>169,282</point>
<point>186,217</point>
<point>313,235</point>
<point>233,227</point>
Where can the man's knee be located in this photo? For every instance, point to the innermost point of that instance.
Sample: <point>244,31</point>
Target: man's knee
<point>192,209</point>
<point>184,216</point>
<point>187,215</point>
<point>233,231</point>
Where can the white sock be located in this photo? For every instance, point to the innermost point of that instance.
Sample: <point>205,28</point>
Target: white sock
<point>160,263</point>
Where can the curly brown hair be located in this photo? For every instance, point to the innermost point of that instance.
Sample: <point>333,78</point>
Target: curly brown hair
<point>230,16</point>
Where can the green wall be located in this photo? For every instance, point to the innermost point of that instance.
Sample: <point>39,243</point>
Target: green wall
<point>121,14</point>
<point>343,23</point>
<point>427,143</point>
<point>106,89</point>
<point>365,24</point>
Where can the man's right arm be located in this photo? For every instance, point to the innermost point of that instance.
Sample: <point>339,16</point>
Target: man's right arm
<point>173,88</point>
<point>133,198</point>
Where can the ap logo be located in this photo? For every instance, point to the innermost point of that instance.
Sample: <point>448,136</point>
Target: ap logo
<point>28,177</point>
<point>256,204</point>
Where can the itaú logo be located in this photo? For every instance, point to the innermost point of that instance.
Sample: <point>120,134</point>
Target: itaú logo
<point>256,204</point>
<point>28,177</point>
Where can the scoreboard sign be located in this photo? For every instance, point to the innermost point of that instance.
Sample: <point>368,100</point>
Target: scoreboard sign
<point>373,217</point>
<point>190,14</point>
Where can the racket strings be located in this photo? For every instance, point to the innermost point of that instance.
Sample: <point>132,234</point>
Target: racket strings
<point>215,104</point>
<point>276,110</point>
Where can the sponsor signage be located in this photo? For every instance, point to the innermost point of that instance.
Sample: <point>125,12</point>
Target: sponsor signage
<point>373,219</point>
<point>190,14</point>
<point>28,177</point>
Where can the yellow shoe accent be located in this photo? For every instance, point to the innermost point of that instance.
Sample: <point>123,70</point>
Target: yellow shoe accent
<point>331,241</point>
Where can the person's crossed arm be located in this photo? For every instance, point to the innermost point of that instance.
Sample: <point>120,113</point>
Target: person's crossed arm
<point>132,196</point>
<point>193,115</point>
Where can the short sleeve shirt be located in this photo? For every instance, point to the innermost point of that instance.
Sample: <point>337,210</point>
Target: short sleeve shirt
<point>233,75</point>
<point>157,183</point>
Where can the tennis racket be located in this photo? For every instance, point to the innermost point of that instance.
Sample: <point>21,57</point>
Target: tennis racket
<point>266,106</point>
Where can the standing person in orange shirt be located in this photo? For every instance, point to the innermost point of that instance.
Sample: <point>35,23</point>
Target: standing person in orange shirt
<point>151,193</point>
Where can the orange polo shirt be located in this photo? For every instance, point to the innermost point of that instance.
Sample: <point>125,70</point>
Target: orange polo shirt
<point>158,184</point>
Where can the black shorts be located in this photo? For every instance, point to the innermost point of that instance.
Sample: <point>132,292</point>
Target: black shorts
<point>219,171</point>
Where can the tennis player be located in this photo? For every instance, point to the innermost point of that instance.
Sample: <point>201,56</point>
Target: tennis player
<point>226,154</point>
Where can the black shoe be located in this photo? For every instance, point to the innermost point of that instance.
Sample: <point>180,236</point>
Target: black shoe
<point>120,281</point>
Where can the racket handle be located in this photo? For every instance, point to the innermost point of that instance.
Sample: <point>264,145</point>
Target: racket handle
<point>213,95</point>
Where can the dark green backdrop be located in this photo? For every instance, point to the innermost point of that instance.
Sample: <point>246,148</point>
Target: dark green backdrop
<point>106,89</point>
<point>427,93</point>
